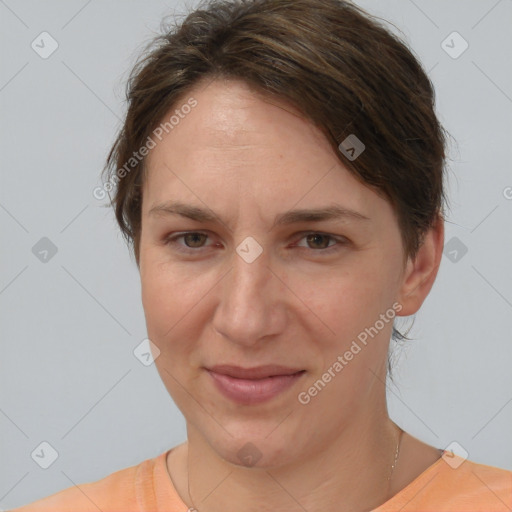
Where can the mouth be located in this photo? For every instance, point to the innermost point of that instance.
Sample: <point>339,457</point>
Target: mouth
<point>253,385</point>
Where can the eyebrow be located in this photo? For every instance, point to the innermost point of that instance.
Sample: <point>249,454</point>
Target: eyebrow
<point>331,212</point>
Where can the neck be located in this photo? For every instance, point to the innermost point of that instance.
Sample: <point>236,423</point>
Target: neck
<point>349,472</point>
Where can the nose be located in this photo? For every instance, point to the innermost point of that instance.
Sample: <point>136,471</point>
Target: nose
<point>250,304</point>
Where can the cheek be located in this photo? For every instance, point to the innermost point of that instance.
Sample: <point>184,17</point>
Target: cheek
<point>164,287</point>
<point>345,301</point>
<point>349,304</point>
<point>174,299</point>
<point>165,298</point>
<point>166,302</point>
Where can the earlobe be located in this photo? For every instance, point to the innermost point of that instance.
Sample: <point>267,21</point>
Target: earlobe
<point>421,272</point>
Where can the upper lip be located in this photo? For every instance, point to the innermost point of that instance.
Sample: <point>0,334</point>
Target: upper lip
<point>257,372</point>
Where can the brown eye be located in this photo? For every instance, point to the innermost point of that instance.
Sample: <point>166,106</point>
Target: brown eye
<point>187,242</point>
<point>318,239</point>
<point>322,243</point>
<point>191,239</point>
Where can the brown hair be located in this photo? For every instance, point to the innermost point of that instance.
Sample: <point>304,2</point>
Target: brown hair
<point>331,60</point>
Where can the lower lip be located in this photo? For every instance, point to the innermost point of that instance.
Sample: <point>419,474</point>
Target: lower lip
<point>253,391</point>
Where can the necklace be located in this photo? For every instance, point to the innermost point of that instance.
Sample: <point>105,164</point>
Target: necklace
<point>397,452</point>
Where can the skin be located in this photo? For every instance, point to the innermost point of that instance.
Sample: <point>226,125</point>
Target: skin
<point>247,159</point>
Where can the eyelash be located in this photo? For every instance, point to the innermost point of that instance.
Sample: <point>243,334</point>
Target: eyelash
<point>171,240</point>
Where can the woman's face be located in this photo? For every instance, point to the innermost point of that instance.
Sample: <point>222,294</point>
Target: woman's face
<point>214,299</point>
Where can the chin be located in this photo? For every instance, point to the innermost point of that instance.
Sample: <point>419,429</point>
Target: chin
<point>256,451</point>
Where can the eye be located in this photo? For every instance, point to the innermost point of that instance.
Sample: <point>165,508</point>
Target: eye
<point>319,241</point>
<point>193,240</point>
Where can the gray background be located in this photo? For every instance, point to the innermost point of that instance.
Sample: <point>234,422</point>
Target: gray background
<point>70,324</point>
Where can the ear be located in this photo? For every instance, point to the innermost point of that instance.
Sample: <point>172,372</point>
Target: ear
<point>420,272</point>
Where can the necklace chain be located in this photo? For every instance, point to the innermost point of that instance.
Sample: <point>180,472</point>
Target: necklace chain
<point>397,452</point>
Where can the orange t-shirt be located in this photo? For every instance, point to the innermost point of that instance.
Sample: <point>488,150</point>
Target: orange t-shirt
<point>147,487</point>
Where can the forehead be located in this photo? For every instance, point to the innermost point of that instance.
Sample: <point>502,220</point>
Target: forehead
<point>230,115</point>
<point>237,143</point>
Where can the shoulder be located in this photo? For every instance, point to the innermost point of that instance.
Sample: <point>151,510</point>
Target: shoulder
<point>453,483</point>
<point>117,491</point>
<point>489,487</point>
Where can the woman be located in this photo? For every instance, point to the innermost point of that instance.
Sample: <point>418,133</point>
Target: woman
<point>280,176</point>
